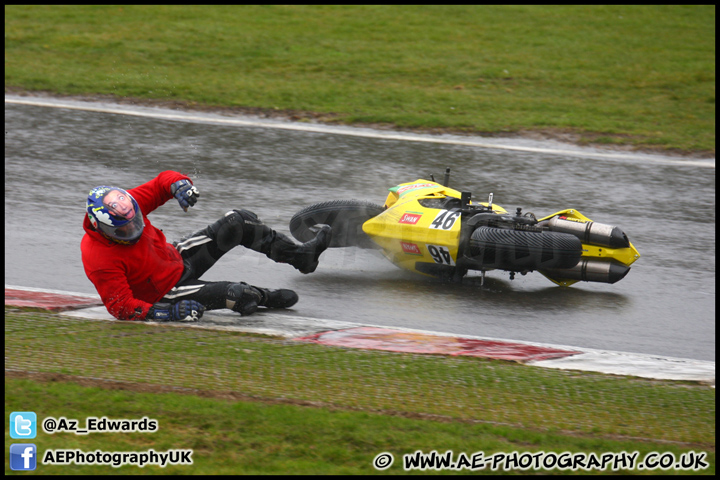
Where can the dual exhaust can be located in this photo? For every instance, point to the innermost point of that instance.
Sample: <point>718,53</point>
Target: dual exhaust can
<point>590,270</point>
<point>591,232</point>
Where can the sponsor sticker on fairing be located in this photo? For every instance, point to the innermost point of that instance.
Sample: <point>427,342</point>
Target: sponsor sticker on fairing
<point>410,248</point>
<point>410,218</point>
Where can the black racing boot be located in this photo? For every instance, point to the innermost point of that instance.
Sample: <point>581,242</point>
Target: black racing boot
<point>245,299</point>
<point>302,256</point>
<point>280,298</point>
<point>242,227</point>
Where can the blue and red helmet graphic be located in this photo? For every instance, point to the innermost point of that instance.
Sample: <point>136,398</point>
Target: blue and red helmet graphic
<point>115,214</point>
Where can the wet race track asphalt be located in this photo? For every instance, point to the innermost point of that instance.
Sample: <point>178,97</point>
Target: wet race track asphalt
<point>665,306</point>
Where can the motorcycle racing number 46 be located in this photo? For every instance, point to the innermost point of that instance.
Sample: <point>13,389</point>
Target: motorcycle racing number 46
<point>445,219</point>
<point>440,254</point>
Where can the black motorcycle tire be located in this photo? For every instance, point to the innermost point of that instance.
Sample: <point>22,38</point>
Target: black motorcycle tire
<point>519,250</point>
<point>344,216</point>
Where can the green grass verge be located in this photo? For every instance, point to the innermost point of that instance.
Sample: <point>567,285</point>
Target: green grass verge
<point>240,437</point>
<point>242,411</point>
<point>637,75</point>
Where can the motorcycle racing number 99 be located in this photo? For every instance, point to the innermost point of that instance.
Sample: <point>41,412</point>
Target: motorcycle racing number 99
<point>440,254</point>
<point>445,219</point>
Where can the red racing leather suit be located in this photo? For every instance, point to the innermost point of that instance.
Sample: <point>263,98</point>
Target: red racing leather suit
<point>130,278</point>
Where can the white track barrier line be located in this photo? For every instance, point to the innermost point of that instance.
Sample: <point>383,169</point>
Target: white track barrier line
<point>149,113</point>
<point>635,364</point>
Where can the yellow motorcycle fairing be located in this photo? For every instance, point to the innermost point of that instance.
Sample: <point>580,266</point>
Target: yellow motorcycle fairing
<point>409,232</point>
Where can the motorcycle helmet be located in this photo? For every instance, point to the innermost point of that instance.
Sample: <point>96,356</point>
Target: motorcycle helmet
<point>114,213</point>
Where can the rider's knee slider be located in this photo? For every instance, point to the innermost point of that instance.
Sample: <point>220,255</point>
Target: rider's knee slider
<point>238,227</point>
<point>242,298</point>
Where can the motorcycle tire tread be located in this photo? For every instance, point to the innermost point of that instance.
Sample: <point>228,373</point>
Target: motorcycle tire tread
<point>517,250</point>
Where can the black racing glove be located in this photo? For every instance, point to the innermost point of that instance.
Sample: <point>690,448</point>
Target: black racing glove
<point>185,192</point>
<point>182,311</point>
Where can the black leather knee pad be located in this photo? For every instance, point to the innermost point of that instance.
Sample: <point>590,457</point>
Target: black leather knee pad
<point>242,298</point>
<point>237,227</point>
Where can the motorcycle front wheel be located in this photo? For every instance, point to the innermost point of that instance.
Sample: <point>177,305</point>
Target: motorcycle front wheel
<point>344,216</point>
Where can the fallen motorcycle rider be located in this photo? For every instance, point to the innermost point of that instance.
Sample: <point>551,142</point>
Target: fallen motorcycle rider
<point>140,276</point>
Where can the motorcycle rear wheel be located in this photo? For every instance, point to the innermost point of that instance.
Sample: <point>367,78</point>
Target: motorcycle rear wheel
<point>518,250</point>
<point>344,216</point>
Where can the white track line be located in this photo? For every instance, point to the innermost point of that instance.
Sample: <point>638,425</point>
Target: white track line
<point>149,113</point>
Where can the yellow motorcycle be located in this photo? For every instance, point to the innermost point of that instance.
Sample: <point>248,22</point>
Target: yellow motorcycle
<point>429,228</point>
